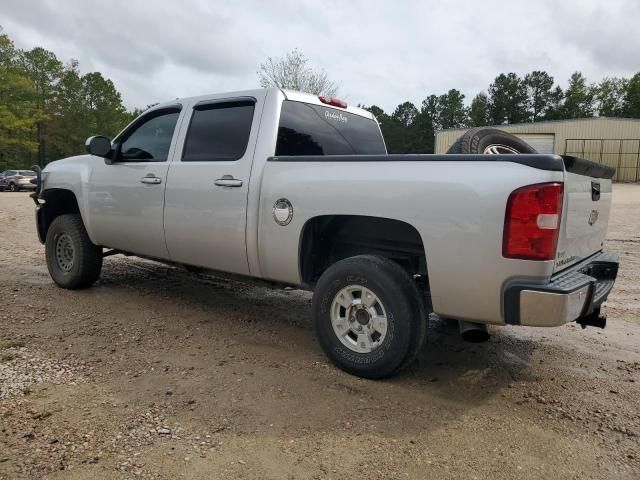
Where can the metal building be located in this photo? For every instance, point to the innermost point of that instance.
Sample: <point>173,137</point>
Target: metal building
<point>611,141</point>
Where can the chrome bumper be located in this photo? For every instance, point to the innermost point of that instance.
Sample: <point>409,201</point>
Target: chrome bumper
<point>573,295</point>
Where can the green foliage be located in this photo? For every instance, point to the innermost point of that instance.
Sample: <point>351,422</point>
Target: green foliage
<point>510,99</point>
<point>578,98</point>
<point>609,96</point>
<point>507,100</point>
<point>631,102</point>
<point>452,112</point>
<point>479,111</point>
<point>539,94</point>
<point>554,111</point>
<point>47,109</point>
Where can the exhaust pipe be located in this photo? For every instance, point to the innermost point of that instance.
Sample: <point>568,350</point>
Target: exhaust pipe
<point>473,332</point>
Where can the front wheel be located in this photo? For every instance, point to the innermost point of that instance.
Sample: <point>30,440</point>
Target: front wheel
<point>73,261</point>
<point>13,187</point>
<point>368,316</point>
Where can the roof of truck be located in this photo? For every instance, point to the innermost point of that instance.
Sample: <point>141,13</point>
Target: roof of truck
<point>288,94</point>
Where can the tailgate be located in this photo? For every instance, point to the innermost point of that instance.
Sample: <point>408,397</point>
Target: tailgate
<point>585,215</point>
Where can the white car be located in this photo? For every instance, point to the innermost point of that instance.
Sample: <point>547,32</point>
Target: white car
<point>299,190</point>
<point>16,180</point>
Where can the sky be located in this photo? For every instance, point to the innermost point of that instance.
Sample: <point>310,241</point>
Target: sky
<point>379,52</point>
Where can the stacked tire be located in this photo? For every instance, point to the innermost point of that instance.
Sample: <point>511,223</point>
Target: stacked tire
<point>482,140</point>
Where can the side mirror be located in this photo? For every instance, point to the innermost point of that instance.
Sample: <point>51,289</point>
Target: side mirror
<point>98,145</point>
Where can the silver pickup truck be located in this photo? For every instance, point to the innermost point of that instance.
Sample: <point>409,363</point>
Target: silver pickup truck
<point>299,190</point>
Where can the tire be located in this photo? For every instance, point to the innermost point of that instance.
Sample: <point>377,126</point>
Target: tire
<point>13,187</point>
<point>396,297</point>
<point>489,140</point>
<point>72,260</point>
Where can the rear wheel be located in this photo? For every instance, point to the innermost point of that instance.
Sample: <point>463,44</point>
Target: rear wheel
<point>368,316</point>
<point>72,260</point>
<point>13,187</point>
<point>491,141</point>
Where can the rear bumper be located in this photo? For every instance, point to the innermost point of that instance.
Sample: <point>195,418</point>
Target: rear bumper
<point>572,295</point>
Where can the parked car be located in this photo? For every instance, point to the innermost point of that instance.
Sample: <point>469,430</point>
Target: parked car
<point>16,180</point>
<point>299,190</point>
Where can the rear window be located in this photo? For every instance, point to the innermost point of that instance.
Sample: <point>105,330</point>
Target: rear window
<point>219,132</point>
<point>307,129</point>
<point>28,173</point>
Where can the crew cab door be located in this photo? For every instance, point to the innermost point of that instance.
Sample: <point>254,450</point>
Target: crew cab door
<point>206,198</point>
<point>126,197</point>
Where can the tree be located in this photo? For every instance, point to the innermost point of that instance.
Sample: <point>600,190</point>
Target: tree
<point>391,130</point>
<point>431,109</point>
<point>49,108</point>
<point>479,111</point>
<point>68,125</point>
<point>538,85</point>
<point>609,96</point>
<point>578,98</point>
<point>554,109</point>
<point>107,114</point>
<point>507,100</point>
<point>402,129</point>
<point>18,111</point>
<point>631,104</point>
<point>453,113</point>
<point>44,70</point>
<point>292,72</point>
<point>405,113</point>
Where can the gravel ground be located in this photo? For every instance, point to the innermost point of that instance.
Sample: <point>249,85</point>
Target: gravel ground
<point>158,373</point>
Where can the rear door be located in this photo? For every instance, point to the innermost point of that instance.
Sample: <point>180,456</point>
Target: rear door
<point>208,183</point>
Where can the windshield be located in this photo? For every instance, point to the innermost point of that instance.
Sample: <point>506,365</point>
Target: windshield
<point>307,129</point>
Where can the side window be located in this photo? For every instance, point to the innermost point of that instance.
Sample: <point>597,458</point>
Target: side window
<point>218,132</point>
<point>150,140</point>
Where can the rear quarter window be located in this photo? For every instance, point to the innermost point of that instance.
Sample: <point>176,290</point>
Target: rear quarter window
<point>307,129</point>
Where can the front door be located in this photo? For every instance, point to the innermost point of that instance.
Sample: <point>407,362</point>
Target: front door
<point>206,198</point>
<point>126,198</point>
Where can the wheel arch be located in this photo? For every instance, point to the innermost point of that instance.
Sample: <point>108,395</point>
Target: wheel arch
<point>57,201</point>
<point>326,239</point>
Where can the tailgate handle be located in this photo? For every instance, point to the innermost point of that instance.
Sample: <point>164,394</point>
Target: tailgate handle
<point>595,191</point>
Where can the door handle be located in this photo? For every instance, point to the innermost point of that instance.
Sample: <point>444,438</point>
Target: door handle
<point>228,181</point>
<point>150,178</point>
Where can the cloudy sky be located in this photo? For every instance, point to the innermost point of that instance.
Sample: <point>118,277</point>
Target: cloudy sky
<point>379,52</point>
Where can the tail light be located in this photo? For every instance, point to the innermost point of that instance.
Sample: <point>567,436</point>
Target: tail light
<point>532,222</point>
<point>334,102</point>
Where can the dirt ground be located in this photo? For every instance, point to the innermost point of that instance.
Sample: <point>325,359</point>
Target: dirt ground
<point>159,373</point>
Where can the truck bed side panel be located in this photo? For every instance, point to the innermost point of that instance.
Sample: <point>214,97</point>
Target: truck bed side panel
<point>458,208</point>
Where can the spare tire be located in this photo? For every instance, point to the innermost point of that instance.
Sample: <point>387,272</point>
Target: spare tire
<point>483,140</point>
